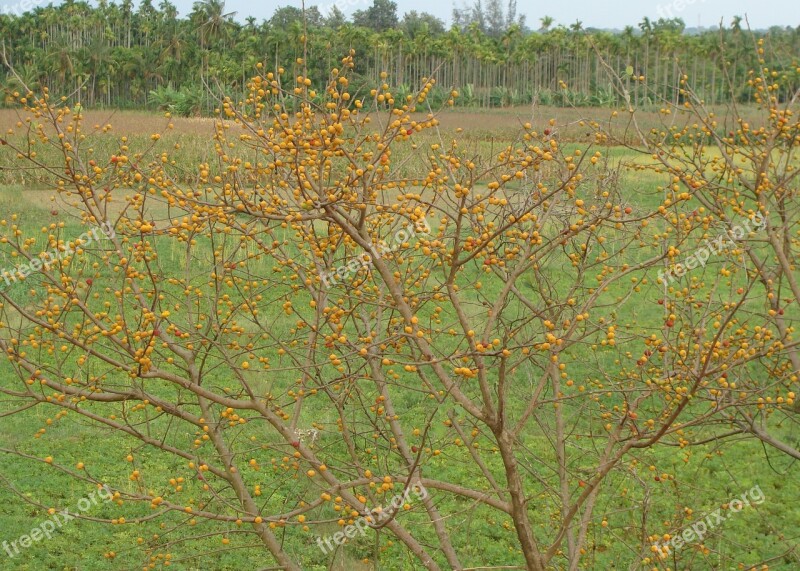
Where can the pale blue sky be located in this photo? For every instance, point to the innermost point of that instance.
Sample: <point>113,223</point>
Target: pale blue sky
<point>613,14</point>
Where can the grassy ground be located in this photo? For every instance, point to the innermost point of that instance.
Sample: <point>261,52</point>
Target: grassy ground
<point>708,476</point>
<point>190,143</point>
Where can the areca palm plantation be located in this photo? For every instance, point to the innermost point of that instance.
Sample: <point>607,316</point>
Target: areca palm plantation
<point>117,54</point>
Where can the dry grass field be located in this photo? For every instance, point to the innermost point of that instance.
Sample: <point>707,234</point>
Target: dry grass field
<point>498,123</point>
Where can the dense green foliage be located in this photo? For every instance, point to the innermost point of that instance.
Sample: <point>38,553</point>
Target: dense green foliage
<point>117,56</point>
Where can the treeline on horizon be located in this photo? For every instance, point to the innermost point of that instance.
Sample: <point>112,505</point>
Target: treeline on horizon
<point>114,55</point>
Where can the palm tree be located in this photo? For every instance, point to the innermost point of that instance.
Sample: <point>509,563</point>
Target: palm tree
<point>61,57</point>
<point>212,21</point>
<point>99,62</point>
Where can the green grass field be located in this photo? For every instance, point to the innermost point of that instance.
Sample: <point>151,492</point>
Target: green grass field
<point>703,477</point>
